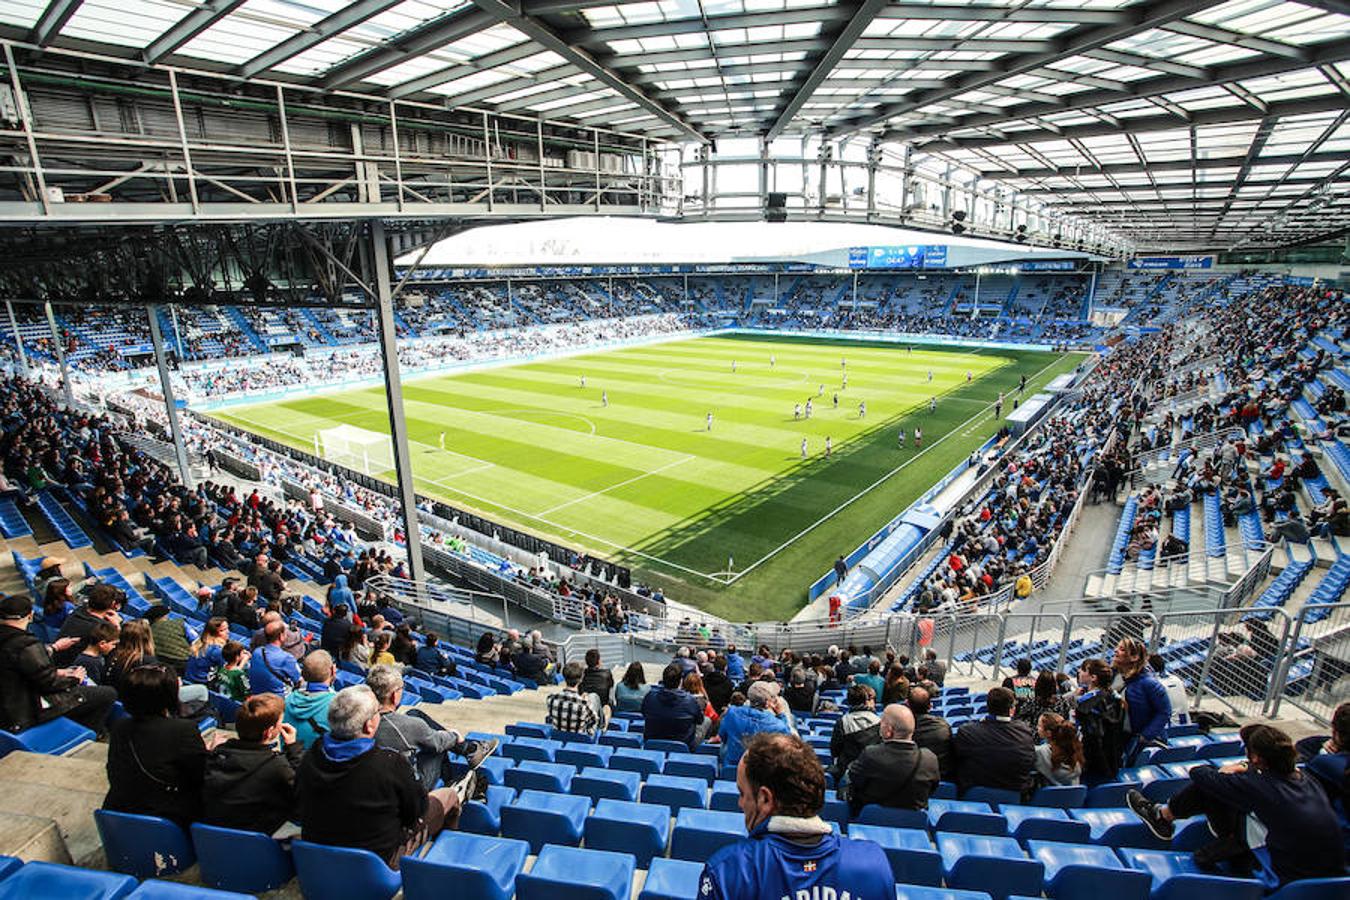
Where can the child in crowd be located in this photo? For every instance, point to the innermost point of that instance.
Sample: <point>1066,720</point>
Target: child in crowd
<point>234,677</point>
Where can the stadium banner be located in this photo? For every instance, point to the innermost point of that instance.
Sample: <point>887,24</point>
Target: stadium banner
<point>137,350</point>
<point>886,337</point>
<point>1049,265</point>
<point>1170,262</point>
<point>912,256</point>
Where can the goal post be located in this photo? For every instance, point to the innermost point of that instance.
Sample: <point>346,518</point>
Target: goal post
<point>368,452</point>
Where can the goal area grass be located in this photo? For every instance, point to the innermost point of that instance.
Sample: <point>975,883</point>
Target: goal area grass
<point>723,513</point>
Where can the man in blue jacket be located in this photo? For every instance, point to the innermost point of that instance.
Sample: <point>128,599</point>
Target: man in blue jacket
<point>272,670</point>
<point>670,713</point>
<point>791,851</point>
<point>1302,834</point>
<point>764,712</point>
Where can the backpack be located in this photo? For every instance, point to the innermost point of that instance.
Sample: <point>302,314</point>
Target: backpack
<point>1023,688</point>
<point>1101,719</point>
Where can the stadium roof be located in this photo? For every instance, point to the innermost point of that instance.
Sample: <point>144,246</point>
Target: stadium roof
<point>1206,121</point>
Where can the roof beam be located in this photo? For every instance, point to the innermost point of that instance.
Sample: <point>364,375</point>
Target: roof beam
<point>511,85</point>
<point>53,19</point>
<point>402,47</point>
<point>187,28</point>
<point>1263,67</point>
<point>1236,39</point>
<point>724,51</point>
<point>1254,149</point>
<point>824,65</point>
<point>1139,124</point>
<point>1331,6</point>
<point>1142,17</point>
<point>548,39</point>
<point>502,57</point>
<point>347,17</point>
<point>1002,13</point>
<point>699,25</point>
<point>1138,61</point>
<point>1147,169</point>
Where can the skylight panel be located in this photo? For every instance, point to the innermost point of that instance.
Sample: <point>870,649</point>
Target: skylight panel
<point>130,23</point>
<point>24,13</point>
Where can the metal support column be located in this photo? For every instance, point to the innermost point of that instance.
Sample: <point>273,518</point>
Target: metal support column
<point>18,337</point>
<point>60,355</point>
<point>975,307</point>
<point>177,333</point>
<point>393,387</point>
<point>161,362</point>
<point>1092,289</point>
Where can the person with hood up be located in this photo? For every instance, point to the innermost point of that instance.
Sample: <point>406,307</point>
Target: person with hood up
<point>307,709</point>
<point>340,593</point>
<point>764,712</point>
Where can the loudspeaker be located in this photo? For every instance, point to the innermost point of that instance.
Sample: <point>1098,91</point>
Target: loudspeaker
<point>775,207</point>
<point>777,200</point>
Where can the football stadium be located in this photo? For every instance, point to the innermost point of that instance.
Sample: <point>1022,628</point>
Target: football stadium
<point>675,450</point>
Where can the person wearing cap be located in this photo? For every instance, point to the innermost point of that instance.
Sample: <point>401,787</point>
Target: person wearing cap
<point>790,851</point>
<point>49,570</point>
<point>1302,834</point>
<point>764,712</point>
<point>32,689</point>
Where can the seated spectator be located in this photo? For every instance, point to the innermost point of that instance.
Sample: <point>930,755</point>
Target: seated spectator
<point>357,649</point>
<point>937,671</point>
<point>430,658</point>
<point>897,685</point>
<point>485,653</point>
<point>1303,838</point>
<point>1059,761</point>
<point>205,656</point>
<point>354,793</point>
<point>571,711</point>
<point>1327,758</point>
<point>156,761</point>
<point>57,604</point>
<point>670,713</point>
<point>271,669</point>
<point>800,694</point>
<point>932,732</point>
<point>996,752</point>
<point>764,711</point>
<point>248,784</point>
<point>1023,684</point>
<point>307,708</point>
<point>855,730</point>
<point>895,772</point>
<point>101,605</point>
<point>101,642</point>
<point>632,690</point>
<point>599,680</point>
<point>1176,691</point>
<point>534,662</point>
<point>872,678</point>
<point>417,737</point>
<point>32,689</point>
<point>790,850</point>
<point>172,643</point>
<point>380,654</point>
<point>234,677</point>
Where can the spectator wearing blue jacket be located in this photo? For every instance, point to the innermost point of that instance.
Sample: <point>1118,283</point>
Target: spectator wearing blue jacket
<point>307,708</point>
<point>1147,706</point>
<point>764,712</point>
<point>340,593</point>
<point>735,664</point>
<point>272,670</point>
<point>790,850</point>
<point>431,658</point>
<point>1328,760</point>
<point>669,713</point>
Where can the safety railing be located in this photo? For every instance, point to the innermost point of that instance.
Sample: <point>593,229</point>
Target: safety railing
<point>1314,671</point>
<point>1225,655</point>
<point>1197,444</point>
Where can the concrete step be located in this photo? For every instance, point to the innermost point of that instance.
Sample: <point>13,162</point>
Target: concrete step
<point>62,790</point>
<point>32,838</point>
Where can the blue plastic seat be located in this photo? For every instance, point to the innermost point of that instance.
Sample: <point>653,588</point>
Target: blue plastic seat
<point>529,748</point>
<point>675,791</point>
<point>908,892</point>
<point>583,756</point>
<point>992,796</point>
<point>1059,796</point>
<point>642,829</point>
<point>671,879</point>
<point>1175,876</point>
<point>692,765</point>
<point>9,865</point>
<point>889,816</point>
<point>54,738</point>
<point>243,861</point>
<point>699,833</point>
<point>494,769</point>
<point>912,855</point>
<point>1311,889</point>
<point>143,846</point>
<point>1118,828</point>
<point>572,737</point>
<point>485,816</point>
<point>644,762</point>
<point>569,873</point>
<point>1044,823</point>
<point>173,890</point>
<point>529,730</point>
<point>540,776</point>
<point>599,784</point>
<point>619,739</point>
<point>995,865</point>
<point>1219,749</point>
<point>1110,795</point>
<point>725,796</point>
<point>965,816</point>
<point>1087,872</point>
<point>470,866</point>
<point>43,879</point>
<point>342,873</point>
<point>662,745</point>
<point>544,818</point>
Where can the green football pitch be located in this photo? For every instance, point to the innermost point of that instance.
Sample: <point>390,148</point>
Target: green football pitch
<point>730,517</point>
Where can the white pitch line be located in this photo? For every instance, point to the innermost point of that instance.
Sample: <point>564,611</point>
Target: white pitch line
<point>867,490</point>
<point>669,465</point>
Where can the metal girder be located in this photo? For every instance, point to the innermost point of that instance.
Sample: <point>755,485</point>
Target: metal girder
<point>937,44</point>
<point>820,69</point>
<point>1077,41</point>
<point>482,63</point>
<point>1263,67</point>
<point>1200,118</point>
<point>402,47</point>
<point>1254,149</point>
<point>1236,39</point>
<point>1331,6</point>
<point>724,51</point>
<point>556,7</point>
<point>347,17</point>
<point>1154,63</point>
<point>700,24</point>
<point>545,96</point>
<point>1152,168</point>
<point>53,19</point>
<point>548,39</point>
<point>187,28</point>
<point>511,85</point>
<point>712,71</point>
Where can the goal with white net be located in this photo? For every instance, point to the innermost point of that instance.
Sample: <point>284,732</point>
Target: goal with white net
<point>365,451</point>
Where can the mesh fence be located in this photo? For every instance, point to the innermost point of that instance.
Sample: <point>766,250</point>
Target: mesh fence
<point>1314,675</point>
